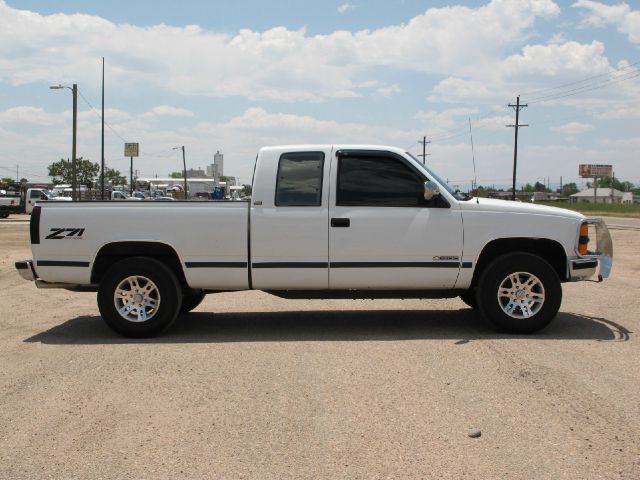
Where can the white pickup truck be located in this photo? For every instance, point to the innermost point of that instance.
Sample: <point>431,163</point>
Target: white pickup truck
<point>324,221</point>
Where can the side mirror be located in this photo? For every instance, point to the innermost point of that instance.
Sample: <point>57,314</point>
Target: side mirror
<point>431,190</point>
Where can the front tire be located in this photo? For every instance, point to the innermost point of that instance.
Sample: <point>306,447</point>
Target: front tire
<point>139,297</point>
<point>470,299</point>
<point>191,301</point>
<point>519,293</point>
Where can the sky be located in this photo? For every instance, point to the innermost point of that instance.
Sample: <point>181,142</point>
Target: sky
<point>236,76</point>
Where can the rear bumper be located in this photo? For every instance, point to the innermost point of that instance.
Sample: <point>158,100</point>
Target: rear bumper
<point>26,271</point>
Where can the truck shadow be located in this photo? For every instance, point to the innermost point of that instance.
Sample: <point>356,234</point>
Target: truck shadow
<point>463,326</point>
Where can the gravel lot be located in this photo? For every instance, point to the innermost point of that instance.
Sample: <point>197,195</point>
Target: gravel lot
<point>251,386</point>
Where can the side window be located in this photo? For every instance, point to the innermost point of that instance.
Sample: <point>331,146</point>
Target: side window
<point>378,181</point>
<point>299,181</point>
<point>35,194</point>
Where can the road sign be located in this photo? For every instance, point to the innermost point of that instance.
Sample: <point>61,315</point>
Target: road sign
<point>595,170</point>
<point>131,149</point>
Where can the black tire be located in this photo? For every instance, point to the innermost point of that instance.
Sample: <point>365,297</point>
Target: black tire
<point>469,297</point>
<point>163,287</point>
<point>4,215</point>
<point>191,301</point>
<point>529,310</point>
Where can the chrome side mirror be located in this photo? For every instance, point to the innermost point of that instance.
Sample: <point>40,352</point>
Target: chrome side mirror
<point>431,190</point>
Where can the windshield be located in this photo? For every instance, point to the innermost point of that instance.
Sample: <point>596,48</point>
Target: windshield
<point>49,194</point>
<point>432,176</point>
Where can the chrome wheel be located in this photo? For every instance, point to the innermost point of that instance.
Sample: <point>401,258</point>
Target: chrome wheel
<point>136,299</point>
<point>521,295</point>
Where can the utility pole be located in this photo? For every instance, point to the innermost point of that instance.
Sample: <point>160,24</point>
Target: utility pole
<point>184,165</point>
<point>424,149</point>
<point>517,125</point>
<point>74,180</point>
<point>613,176</point>
<point>102,138</point>
<point>17,173</point>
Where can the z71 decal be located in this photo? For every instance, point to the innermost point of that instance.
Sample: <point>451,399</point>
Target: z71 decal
<point>62,233</point>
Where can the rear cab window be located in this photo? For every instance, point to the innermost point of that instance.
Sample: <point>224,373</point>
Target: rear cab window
<point>299,180</point>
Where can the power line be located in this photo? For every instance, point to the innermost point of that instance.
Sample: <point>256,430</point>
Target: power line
<point>96,112</point>
<point>568,84</point>
<point>573,92</point>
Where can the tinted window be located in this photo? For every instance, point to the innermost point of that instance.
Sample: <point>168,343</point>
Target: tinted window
<point>35,194</point>
<point>378,181</point>
<point>299,180</point>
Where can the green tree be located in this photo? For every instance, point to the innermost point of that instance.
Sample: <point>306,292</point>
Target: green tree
<point>62,171</point>
<point>569,189</point>
<point>177,174</point>
<point>6,180</point>
<point>114,176</point>
<point>618,184</point>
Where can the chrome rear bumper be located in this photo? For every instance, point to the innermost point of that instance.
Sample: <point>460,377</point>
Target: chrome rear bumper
<point>26,271</point>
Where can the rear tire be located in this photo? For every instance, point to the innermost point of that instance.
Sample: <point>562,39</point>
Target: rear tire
<point>519,293</point>
<point>139,297</point>
<point>191,301</point>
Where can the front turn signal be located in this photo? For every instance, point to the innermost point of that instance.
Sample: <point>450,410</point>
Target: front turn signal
<point>583,241</point>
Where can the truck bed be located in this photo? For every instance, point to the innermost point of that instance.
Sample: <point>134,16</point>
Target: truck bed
<point>212,238</point>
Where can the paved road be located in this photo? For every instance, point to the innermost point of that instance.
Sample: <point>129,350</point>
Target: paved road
<point>265,388</point>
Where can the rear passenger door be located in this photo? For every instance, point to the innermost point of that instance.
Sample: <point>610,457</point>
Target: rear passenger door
<point>289,229</point>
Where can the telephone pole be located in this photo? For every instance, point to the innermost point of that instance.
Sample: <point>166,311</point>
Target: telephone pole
<point>424,149</point>
<point>517,107</point>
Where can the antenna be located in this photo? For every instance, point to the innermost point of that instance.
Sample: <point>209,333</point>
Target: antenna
<point>473,157</point>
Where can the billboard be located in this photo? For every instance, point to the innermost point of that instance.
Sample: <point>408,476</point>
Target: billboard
<point>591,170</point>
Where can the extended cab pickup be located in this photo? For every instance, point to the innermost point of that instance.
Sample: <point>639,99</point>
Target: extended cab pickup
<point>324,221</point>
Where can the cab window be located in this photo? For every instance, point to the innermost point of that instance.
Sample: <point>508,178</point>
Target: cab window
<point>378,181</point>
<point>299,181</point>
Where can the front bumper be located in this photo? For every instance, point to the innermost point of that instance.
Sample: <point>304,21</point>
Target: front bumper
<point>597,262</point>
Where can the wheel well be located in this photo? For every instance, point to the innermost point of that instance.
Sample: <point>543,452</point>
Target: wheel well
<point>114,252</point>
<point>550,250</point>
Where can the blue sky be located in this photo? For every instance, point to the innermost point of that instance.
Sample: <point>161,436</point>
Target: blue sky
<point>234,76</point>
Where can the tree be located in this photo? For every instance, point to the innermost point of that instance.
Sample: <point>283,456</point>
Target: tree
<point>6,180</point>
<point>177,174</point>
<point>113,176</point>
<point>569,189</point>
<point>62,171</point>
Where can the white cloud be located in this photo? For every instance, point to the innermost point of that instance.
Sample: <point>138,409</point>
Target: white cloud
<point>169,111</point>
<point>626,20</point>
<point>573,128</point>
<point>345,7</point>
<point>388,90</point>
<point>277,64</point>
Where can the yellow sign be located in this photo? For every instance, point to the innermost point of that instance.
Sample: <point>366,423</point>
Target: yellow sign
<point>131,149</point>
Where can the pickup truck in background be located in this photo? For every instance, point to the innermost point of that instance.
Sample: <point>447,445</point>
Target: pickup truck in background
<point>324,221</point>
<point>26,199</point>
<point>8,205</point>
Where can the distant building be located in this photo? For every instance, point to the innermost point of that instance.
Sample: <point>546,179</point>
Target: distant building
<point>603,195</point>
<point>199,173</point>
<point>216,169</point>
<point>218,161</point>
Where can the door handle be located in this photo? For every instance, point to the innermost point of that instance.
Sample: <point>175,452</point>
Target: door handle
<point>340,222</point>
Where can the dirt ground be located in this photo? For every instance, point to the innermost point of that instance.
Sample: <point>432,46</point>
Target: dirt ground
<point>251,386</point>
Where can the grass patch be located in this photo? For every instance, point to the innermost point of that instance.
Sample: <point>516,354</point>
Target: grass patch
<point>614,210</point>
